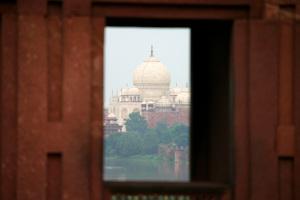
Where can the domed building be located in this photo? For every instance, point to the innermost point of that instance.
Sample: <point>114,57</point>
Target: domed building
<point>152,78</point>
<point>152,96</point>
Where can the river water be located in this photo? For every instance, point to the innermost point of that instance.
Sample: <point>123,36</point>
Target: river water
<point>123,169</point>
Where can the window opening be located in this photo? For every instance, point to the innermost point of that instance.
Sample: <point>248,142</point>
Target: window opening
<point>147,104</point>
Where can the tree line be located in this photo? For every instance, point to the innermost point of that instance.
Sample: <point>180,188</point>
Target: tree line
<point>139,139</point>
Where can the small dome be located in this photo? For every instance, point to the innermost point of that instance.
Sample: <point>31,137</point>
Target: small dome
<point>183,98</point>
<point>111,116</point>
<point>133,91</point>
<point>152,72</point>
<point>130,91</point>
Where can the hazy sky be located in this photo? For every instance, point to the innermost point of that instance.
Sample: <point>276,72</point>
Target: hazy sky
<point>127,47</point>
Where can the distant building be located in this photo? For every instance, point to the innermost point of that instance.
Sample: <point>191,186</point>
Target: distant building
<point>111,124</point>
<point>152,96</point>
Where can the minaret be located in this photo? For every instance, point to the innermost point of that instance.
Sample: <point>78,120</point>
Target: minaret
<point>151,54</point>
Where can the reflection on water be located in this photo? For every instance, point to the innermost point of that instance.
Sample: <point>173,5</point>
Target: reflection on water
<point>122,169</point>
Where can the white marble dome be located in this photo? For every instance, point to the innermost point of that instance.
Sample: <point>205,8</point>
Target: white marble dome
<point>152,78</point>
<point>151,71</point>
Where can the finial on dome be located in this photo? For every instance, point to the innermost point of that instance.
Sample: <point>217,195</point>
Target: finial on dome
<point>151,55</point>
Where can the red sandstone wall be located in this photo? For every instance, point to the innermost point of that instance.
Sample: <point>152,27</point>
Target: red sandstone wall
<point>51,78</point>
<point>169,117</point>
<point>51,72</point>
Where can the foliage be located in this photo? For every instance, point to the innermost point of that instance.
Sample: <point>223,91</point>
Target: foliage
<point>132,142</point>
<point>111,143</point>
<point>128,144</point>
<point>150,142</point>
<point>136,123</point>
<point>180,134</point>
<point>163,133</point>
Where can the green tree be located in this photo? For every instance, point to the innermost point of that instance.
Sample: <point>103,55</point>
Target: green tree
<point>150,142</point>
<point>180,134</point>
<point>136,123</point>
<point>163,133</point>
<point>129,144</point>
<point>110,143</point>
<point>182,139</point>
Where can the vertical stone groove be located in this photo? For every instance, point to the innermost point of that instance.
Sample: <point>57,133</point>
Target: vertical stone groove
<point>55,66</point>
<point>54,176</point>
